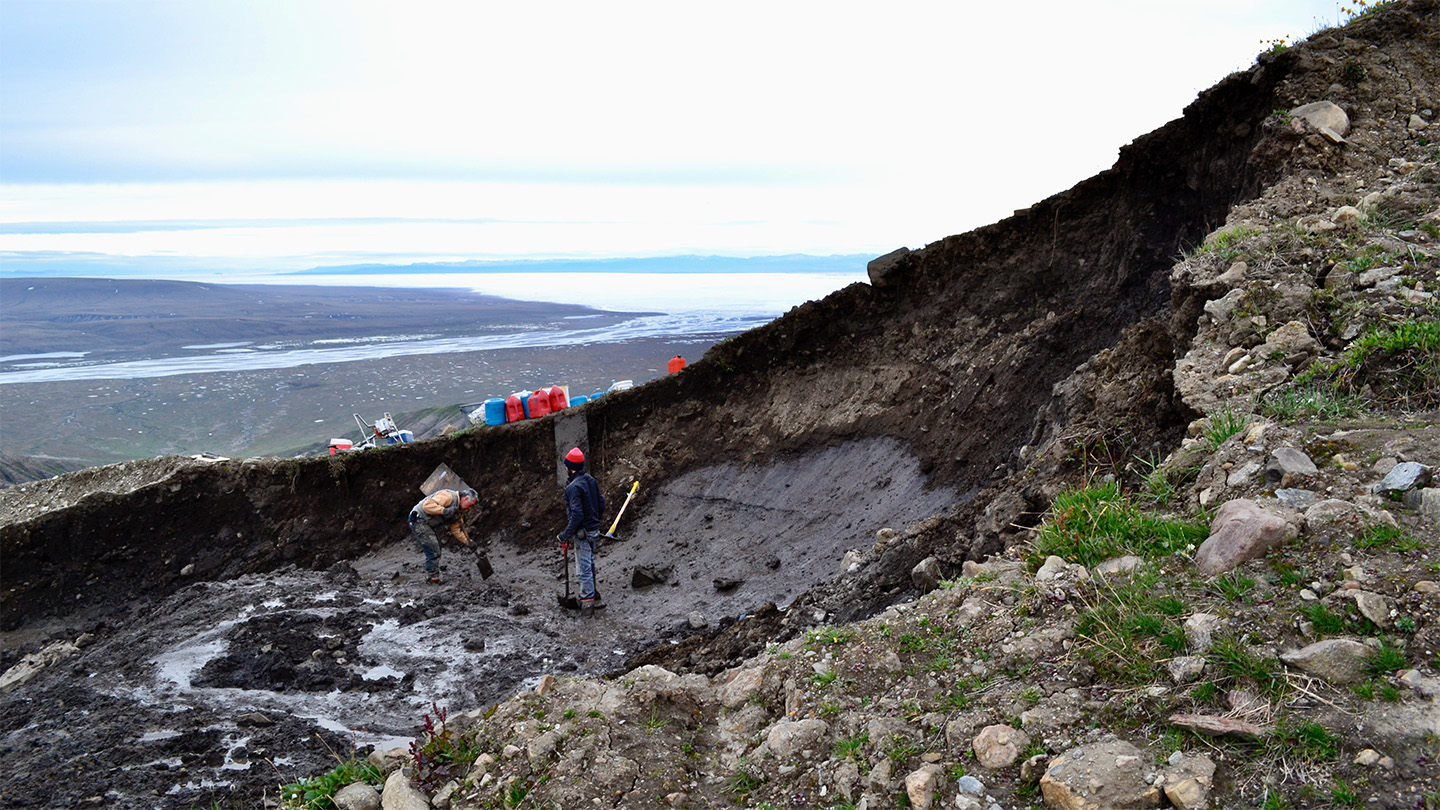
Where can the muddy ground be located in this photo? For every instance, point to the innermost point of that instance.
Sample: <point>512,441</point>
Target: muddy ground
<point>237,686</point>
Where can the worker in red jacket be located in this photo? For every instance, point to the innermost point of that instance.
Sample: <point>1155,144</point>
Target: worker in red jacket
<point>442,508</point>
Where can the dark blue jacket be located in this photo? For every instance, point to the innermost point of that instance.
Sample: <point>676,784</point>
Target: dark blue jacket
<point>583,505</point>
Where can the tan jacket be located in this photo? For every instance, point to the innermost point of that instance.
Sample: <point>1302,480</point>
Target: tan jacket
<point>439,506</point>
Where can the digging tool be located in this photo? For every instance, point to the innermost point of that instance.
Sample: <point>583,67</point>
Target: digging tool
<point>567,601</point>
<point>482,562</point>
<point>610,535</point>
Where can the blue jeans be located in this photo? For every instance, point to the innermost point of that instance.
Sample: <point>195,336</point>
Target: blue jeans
<point>585,547</point>
<point>428,542</point>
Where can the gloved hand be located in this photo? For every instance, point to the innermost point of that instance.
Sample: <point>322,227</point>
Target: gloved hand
<point>564,543</point>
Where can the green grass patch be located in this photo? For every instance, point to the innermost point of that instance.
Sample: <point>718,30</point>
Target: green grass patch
<point>1308,740</point>
<point>319,791</point>
<point>1238,662</point>
<point>1314,402</point>
<point>1094,523</point>
<point>1325,621</point>
<point>1394,538</point>
<point>1128,624</point>
<point>1385,660</point>
<point>1223,424</point>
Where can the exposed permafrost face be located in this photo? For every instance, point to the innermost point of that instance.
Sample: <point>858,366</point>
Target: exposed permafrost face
<point>247,684</point>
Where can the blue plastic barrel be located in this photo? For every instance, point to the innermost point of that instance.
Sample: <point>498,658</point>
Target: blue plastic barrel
<point>597,395</point>
<point>579,399</point>
<point>495,411</point>
<point>525,404</point>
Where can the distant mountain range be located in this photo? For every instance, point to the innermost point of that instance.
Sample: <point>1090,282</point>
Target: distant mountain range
<point>53,264</point>
<point>792,263</point>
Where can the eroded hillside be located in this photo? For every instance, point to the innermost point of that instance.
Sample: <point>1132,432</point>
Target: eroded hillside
<point>955,397</point>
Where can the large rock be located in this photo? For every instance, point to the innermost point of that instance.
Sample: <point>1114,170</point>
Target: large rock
<point>1337,660</point>
<point>1289,340</point>
<point>921,786</point>
<point>881,270</point>
<point>1188,781</point>
<point>1404,477</point>
<point>741,686</point>
<point>999,746</point>
<point>1106,776</point>
<point>1325,116</point>
<point>787,739</point>
<point>357,796</point>
<point>401,794</point>
<point>1243,531</point>
<point>926,574</point>
<point>1286,464</point>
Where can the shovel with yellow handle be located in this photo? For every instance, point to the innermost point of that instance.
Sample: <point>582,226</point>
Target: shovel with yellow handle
<point>610,535</point>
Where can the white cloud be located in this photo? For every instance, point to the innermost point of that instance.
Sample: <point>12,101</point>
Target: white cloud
<point>586,128</point>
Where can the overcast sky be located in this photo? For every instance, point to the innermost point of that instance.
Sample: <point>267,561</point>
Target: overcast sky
<point>288,133</point>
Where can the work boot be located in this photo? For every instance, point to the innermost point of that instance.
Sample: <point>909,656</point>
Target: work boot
<point>592,604</point>
<point>434,579</point>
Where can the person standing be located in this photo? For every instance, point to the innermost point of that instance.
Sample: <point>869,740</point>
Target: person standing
<point>442,508</point>
<point>583,507</point>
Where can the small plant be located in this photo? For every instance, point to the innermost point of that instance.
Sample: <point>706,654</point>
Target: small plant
<point>440,754</point>
<point>569,714</point>
<point>740,782</point>
<point>1237,661</point>
<point>1291,404</point>
<point>901,750</point>
<point>594,713</point>
<point>1234,587</point>
<point>1325,622</point>
<point>1342,795</point>
<point>654,722</point>
<point>824,635</point>
<point>1309,740</point>
<point>1223,424</point>
<point>852,747</point>
<point>1157,486</point>
<point>1385,660</point>
<point>824,679</point>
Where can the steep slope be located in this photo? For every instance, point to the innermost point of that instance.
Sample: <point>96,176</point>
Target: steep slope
<point>953,355</point>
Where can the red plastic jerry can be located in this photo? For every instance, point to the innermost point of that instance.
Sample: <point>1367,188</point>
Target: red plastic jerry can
<point>514,408</point>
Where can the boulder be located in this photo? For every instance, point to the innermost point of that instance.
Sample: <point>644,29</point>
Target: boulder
<point>1326,117</point>
<point>1242,531</point>
<point>1337,660</point>
<point>882,269</point>
<point>999,746</point>
<point>1403,477</point>
<point>921,786</point>
<point>742,685</point>
<point>401,794</point>
<point>1290,339</point>
<point>1426,502</point>
<point>357,796</point>
<point>646,576</point>
<point>926,574</point>
<point>1105,776</point>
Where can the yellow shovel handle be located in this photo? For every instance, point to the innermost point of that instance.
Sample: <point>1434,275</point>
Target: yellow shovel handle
<point>633,488</point>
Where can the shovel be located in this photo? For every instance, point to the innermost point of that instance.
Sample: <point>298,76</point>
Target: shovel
<point>567,601</point>
<point>610,535</point>
<point>482,562</point>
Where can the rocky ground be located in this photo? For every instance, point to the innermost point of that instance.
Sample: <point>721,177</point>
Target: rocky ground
<point>1031,550</point>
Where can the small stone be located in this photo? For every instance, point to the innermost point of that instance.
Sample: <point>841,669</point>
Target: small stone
<point>1426,586</point>
<point>1367,758</point>
<point>970,786</point>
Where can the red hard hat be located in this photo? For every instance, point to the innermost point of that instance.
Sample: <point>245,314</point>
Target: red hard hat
<point>575,456</point>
